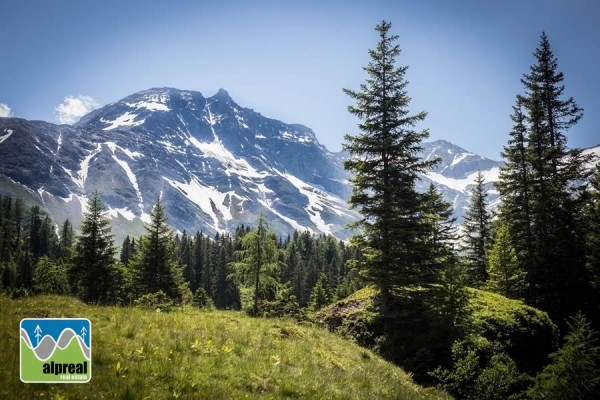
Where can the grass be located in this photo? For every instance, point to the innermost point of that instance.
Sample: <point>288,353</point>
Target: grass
<point>194,354</point>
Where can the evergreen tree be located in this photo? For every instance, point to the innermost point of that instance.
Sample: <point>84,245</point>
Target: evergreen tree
<point>574,371</point>
<point>592,222</point>
<point>66,240</point>
<point>125,255</point>
<point>541,186</point>
<point>506,276</point>
<point>186,259</point>
<point>258,264</point>
<point>320,295</point>
<point>50,277</point>
<point>154,266</point>
<point>476,234</point>
<point>93,257</point>
<point>515,189</point>
<point>385,163</point>
<point>450,298</point>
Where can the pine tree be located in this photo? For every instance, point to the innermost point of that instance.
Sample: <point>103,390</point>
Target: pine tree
<point>258,264</point>
<point>574,372</point>
<point>506,276</point>
<point>515,188</point>
<point>93,257</point>
<point>450,298</point>
<point>592,223</point>
<point>154,266</point>
<point>385,163</point>
<point>66,240</point>
<point>125,255</point>
<point>477,234</point>
<point>50,277</point>
<point>541,186</point>
<point>321,294</point>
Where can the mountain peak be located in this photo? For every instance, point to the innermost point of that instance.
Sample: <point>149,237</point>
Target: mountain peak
<point>222,94</point>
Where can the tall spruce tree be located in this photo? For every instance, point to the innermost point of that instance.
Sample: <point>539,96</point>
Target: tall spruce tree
<point>385,163</point>
<point>66,240</point>
<point>93,257</point>
<point>155,267</point>
<point>541,187</point>
<point>476,235</point>
<point>515,188</point>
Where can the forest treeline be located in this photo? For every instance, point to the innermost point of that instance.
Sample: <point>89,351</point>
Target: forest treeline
<point>36,258</point>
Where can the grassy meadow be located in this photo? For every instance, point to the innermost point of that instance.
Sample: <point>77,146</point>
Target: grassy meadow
<point>196,354</point>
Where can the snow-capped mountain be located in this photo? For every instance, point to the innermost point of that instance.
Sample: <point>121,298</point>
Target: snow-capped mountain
<point>455,174</point>
<point>214,163</point>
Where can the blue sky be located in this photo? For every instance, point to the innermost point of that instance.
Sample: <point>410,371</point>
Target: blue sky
<point>290,60</point>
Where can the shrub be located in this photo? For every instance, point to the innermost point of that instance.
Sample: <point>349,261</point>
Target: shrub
<point>202,299</point>
<point>158,300</point>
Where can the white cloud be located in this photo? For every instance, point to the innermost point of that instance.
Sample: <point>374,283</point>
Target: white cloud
<point>72,108</point>
<point>5,110</point>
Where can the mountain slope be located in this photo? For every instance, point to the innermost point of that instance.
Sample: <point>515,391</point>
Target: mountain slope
<point>194,354</point>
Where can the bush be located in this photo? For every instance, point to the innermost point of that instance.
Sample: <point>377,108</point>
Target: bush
<point>285,304</point>
<point>202,299</point>
<point>482,371</point>
<point>158,300</point>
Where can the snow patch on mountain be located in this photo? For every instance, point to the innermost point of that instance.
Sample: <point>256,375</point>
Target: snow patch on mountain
<point>6,135</point>
<point>459,158</point>
<point>85,165</point>
<point>123,212</point>
<point>232,164</point>
<point>462,185</point>
<point>127,119</point>
<point>130,175</point>
<point>209,199</point>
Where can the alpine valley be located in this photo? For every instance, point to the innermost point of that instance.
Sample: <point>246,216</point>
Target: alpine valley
<point>214,163</point>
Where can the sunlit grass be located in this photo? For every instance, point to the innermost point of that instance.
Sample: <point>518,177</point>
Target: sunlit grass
<point>194,354</point>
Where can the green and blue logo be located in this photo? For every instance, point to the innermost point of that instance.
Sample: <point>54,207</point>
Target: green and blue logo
<point>56,350</point>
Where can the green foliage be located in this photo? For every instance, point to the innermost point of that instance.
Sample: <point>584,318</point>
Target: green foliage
<point>591,220</point>
<point>154,267</point>
<point>284,304</point>
<point>574,371</point>
<point>50,277</point>
<point>258,266</point>
<point>385,165</point>
<point>481,371</point>
<point>202,299</point>
<point>92,263</point>
<point>477,236</point>
<point>158,301</point>
<point>524,333</point>
<point>417,337</point>
<point>506,276</point>
<point>320,295</point>
<point>540,186</point>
